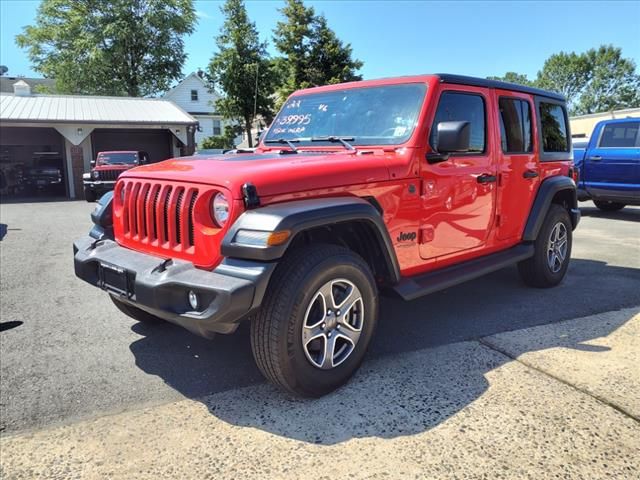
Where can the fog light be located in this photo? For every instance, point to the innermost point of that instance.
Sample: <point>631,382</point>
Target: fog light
<point>193,299</point>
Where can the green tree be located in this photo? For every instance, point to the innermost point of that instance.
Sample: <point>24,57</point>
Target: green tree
<point>241,69</point>
<point>313,54</point>
<point>292,38</point>
<point>595,81</point>
<point>565,73</point>
<point>513,77</point>
<point>225,141</point>
<point>330,61</point>
<point>109,47</point>
<point>613,83</point>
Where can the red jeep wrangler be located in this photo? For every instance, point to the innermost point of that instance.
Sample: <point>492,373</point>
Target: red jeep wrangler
<point>106,169</point>
<point>406,185</point>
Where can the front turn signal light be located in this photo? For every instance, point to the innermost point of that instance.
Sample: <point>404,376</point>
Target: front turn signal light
<point>257,238</point>
<point>278,238</point>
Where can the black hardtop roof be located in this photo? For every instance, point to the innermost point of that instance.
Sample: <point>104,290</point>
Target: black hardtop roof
<point>483,82</point>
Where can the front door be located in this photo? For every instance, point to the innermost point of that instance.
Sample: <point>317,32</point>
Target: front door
<point>612,167</point>
<point>458,195</point>
<point>518,168</point>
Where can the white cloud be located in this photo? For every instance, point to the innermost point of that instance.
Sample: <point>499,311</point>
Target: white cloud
<point>203,14</point>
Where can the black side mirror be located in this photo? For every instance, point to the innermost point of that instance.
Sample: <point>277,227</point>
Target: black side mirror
<point>93,163</point>
<point>451,137</point>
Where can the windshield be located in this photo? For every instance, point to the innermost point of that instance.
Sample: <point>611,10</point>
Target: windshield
<point>384,115</point>
<point>117,158</point>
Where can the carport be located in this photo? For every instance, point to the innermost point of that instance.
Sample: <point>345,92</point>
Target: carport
<point>60,135</point>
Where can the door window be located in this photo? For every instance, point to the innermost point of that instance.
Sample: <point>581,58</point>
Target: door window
<point>515,125</point>
<point>620,135</point>
<point>457,106</point>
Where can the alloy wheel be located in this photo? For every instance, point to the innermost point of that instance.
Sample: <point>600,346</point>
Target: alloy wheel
<point>332,324</point>
<point>557,247</point>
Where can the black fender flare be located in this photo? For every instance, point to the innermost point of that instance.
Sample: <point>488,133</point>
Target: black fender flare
<point>300,215</point>
<point>548,189</point>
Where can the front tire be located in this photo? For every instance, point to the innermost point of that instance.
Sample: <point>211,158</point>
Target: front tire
<point>90,195</point>
<point>317,320</point>
<point>607,206</point>
<point>552,251</point>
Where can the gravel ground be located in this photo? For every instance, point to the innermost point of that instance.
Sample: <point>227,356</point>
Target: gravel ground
<point>72,355</point>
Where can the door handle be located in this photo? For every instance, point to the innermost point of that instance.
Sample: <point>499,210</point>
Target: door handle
<point>530,174</point>
<point>486,178</point>
<point>595,158</point>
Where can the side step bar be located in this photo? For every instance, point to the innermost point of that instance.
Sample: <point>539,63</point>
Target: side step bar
<point>413,287</point>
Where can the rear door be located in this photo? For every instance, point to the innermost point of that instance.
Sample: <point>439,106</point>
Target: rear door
<point>519,173</point>
<point>612,167</point>
<point>459,194</point>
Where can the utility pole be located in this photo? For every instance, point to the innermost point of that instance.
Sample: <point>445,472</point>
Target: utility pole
<point>255,96</point>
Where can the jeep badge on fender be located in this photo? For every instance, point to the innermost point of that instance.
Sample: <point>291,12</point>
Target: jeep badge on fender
<point>305,254</point>
<point>404,237</point>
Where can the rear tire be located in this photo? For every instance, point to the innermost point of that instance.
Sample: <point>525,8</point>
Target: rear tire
<point>552,251</point>
<point>90,195</point>
<point>317,320</point>
<point>607,206</point>
<point>135,313</point>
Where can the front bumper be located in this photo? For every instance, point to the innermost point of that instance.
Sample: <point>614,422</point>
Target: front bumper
<point>228,294</point>
<point>98,185</point>
<point>42,182</point>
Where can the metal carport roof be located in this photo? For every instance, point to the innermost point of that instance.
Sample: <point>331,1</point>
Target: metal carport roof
<point>91,109</point>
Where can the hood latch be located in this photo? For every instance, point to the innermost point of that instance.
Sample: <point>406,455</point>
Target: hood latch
<point>250,195</point>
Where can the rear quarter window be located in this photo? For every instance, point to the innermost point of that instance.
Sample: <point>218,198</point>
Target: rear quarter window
<point>553,127</point>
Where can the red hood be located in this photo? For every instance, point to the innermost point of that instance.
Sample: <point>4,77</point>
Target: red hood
<point>270,172</point>
<point>106,166</point>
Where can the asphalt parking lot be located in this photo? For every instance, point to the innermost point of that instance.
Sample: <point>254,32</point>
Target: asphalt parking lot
<point>68,354</point>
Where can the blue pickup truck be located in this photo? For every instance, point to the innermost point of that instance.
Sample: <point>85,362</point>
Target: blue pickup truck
<point>609,164</point>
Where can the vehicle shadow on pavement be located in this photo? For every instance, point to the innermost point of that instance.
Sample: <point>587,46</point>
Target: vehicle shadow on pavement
<point>389,397</point>
<point>626,214</point>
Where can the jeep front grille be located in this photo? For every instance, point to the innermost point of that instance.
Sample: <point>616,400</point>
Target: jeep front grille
<point>159,214</point>
<point>108,175</point>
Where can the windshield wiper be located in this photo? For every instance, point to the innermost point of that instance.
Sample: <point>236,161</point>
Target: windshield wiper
<point>333,139</point>
<point>285,141</point>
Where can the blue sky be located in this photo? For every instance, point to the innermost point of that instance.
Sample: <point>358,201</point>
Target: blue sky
<point>408,37</point>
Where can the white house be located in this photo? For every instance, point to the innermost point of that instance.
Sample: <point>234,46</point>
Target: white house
<point>193,96</point>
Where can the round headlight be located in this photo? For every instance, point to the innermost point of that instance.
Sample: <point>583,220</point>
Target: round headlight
<point>96,174</point>
<point>220,209</point>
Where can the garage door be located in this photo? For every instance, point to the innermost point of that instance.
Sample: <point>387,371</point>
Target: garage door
<point>32,162</point>
<point>157,143</point>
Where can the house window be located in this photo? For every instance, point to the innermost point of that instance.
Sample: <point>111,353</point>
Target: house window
<point>194,95</point>
<point>217,128</point>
